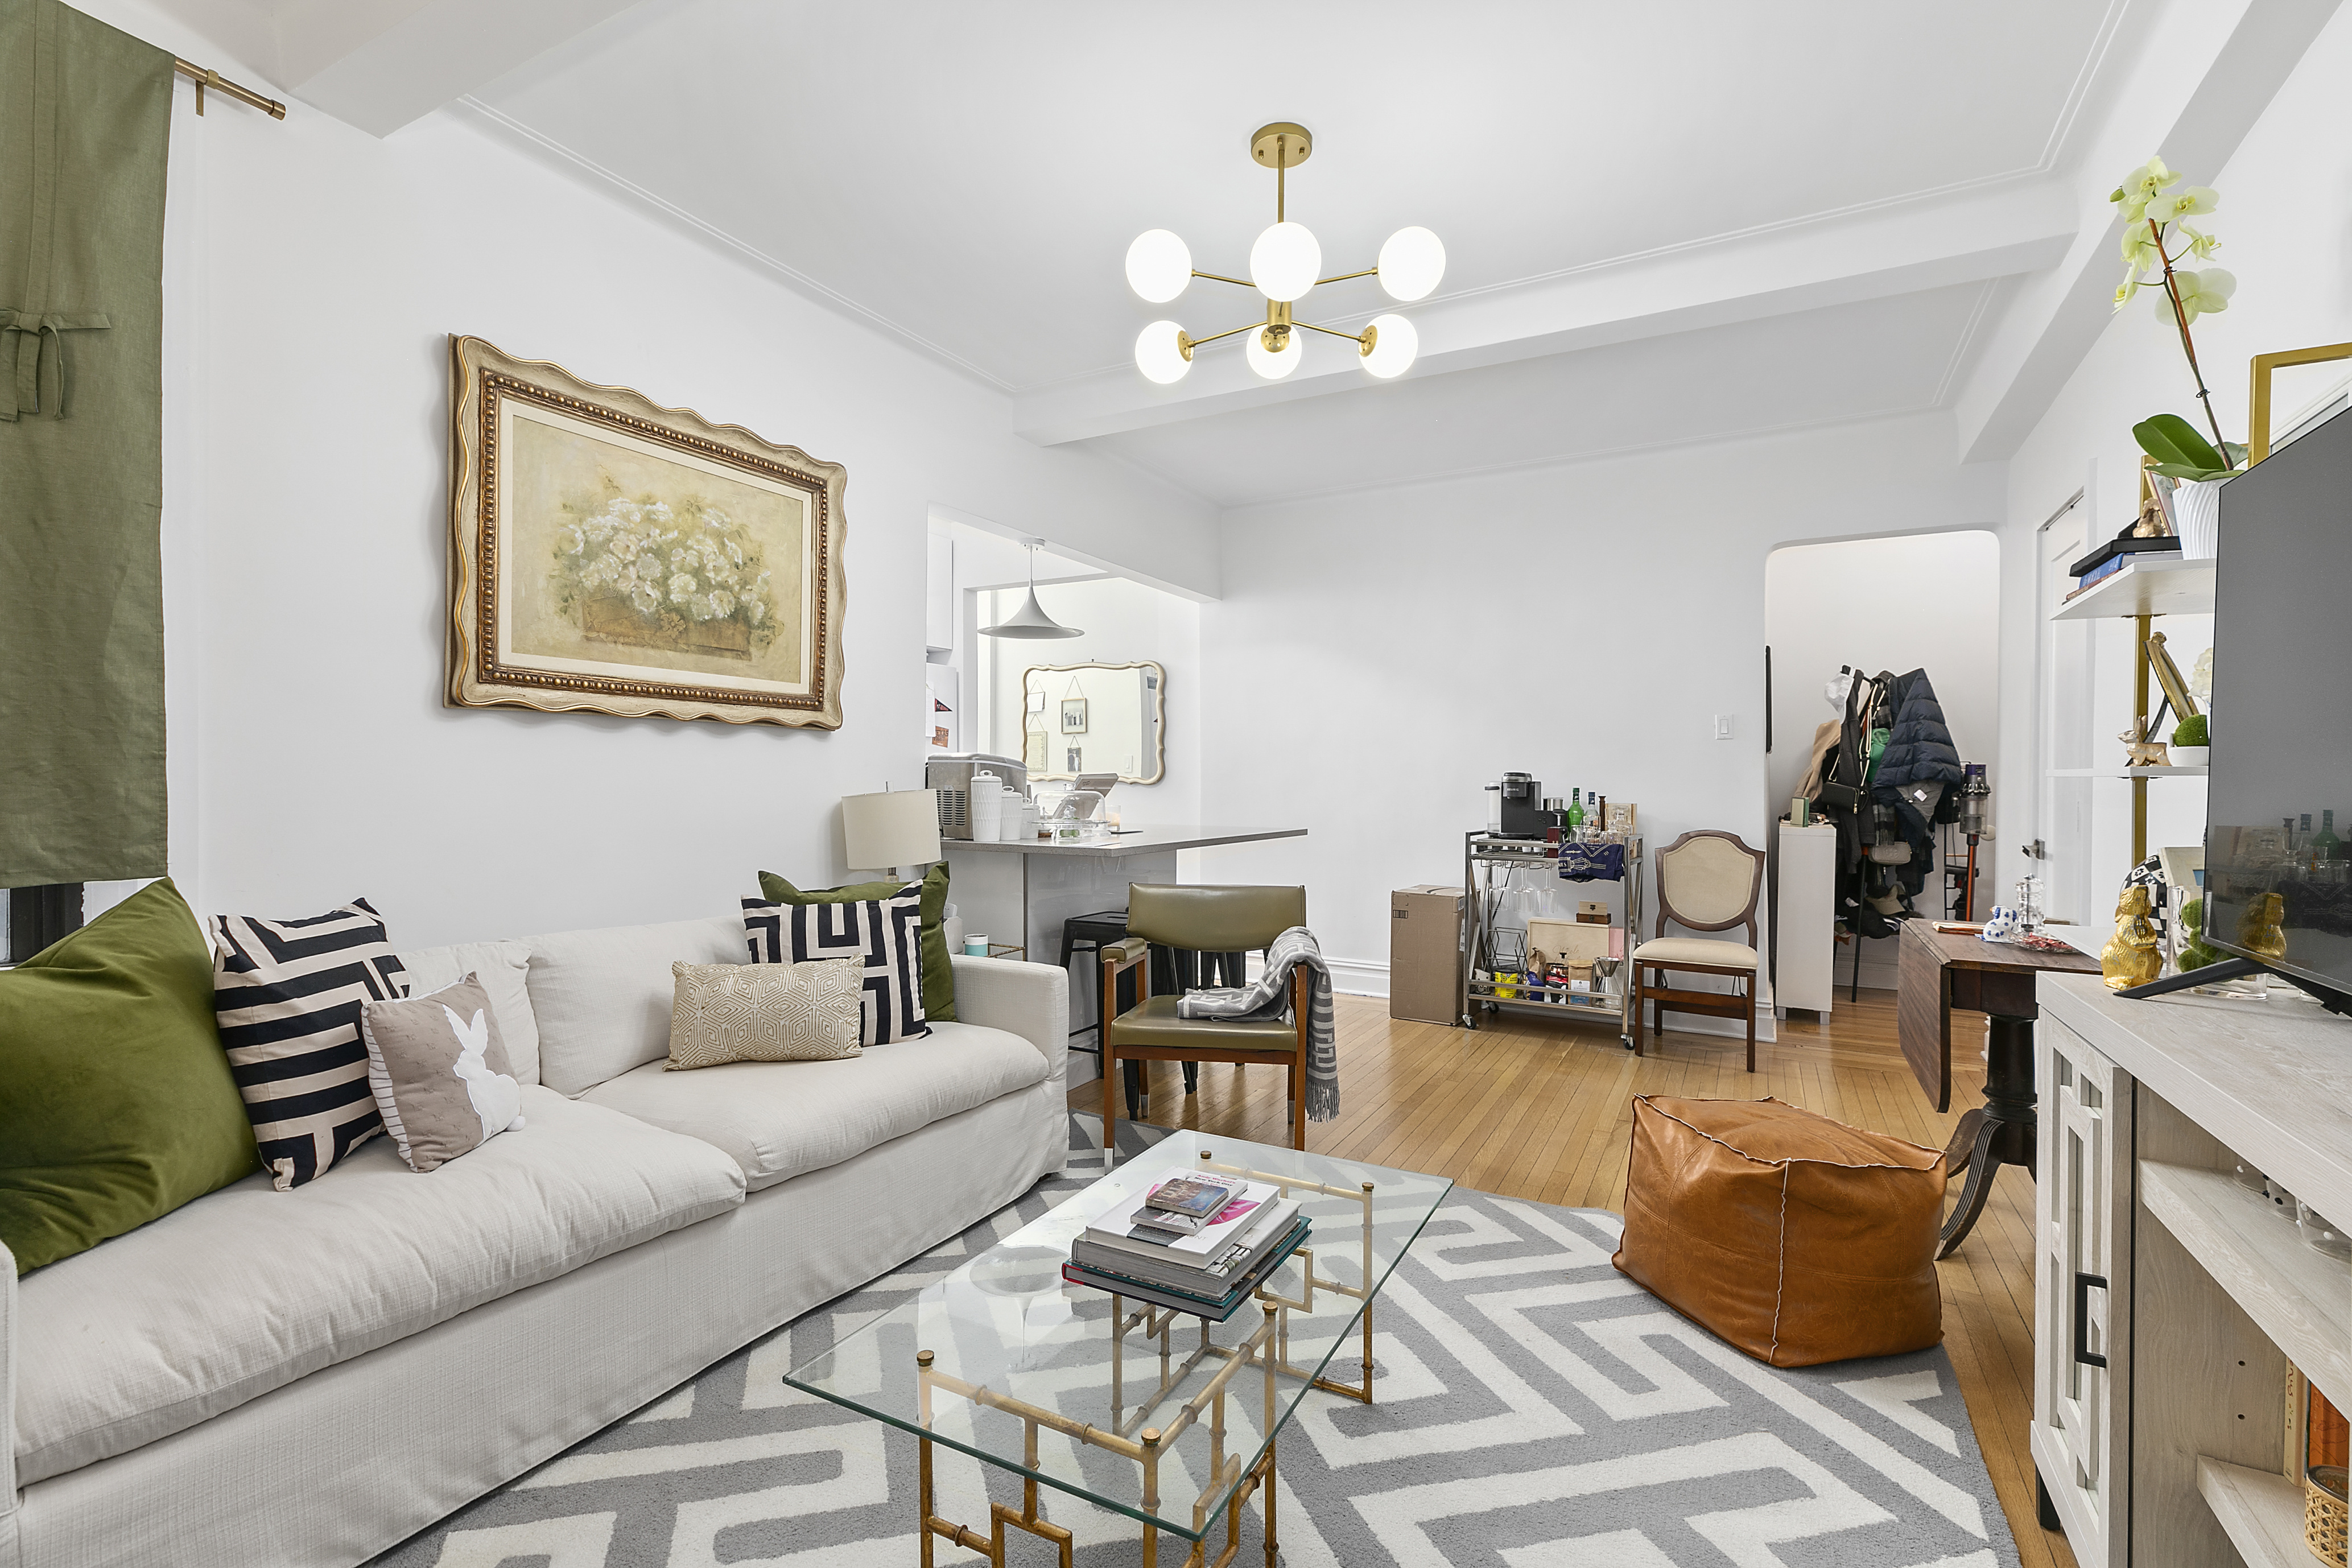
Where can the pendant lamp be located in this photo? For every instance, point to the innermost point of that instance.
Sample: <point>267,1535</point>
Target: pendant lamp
<point>1031,622</point>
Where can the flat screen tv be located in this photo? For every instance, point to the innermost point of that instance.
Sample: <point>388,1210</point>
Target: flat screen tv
<point>2277,892</point>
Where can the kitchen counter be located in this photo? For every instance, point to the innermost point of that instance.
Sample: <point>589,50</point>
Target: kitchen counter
<point>1021,893</point>
<point>1135,841</point>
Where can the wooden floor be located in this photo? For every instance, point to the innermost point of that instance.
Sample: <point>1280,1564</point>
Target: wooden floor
<point>1534,1108</point>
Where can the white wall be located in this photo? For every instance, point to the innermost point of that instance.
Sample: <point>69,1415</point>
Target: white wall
<point>1929,602</point>
<point>313,273</point>
<point>2286,237</point>
<point>1380,657</point>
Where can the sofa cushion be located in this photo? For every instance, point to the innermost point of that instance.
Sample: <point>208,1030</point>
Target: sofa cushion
<point>504,970</point>
<point>287,994</point>
<point>938,975</point>
<point>438,1071</point>
<point>248,1289</point>
<point>603,998</point>
<point>116,1104</point>
<point>782,1120</point>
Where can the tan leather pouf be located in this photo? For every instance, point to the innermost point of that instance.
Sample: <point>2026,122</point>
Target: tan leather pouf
<point>1797,1238</point>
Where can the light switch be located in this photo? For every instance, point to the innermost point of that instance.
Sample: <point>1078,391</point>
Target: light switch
<point>1722,726</point>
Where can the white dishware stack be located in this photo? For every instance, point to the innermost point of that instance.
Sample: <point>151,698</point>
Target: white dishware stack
<point>1016,811</point>
<point>986,793</point>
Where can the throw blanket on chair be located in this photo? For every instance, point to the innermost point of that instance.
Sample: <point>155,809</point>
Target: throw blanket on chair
<point>1266,1000</point>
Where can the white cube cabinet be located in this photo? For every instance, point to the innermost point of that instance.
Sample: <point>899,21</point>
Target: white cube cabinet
<point>2169,1298</point>
<point>2082,1339</point>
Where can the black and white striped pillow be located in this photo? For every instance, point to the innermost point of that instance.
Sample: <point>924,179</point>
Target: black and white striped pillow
<point>287,994</point>
<point>886,933</point>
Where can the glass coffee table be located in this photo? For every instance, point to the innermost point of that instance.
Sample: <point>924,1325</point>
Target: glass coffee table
<point>1160,1416</point>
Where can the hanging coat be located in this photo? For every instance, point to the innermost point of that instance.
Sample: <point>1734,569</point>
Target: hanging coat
<point>1919,775</point>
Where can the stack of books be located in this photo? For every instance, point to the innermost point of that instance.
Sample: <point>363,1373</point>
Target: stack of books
<point>1195,1243</point>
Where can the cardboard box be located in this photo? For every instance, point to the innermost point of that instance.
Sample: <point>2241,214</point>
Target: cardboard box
<point>1568,941</point>
<point>1425,954</point>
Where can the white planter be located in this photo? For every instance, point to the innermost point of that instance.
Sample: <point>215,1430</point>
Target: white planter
<point>2189,756</point>
<point>2197,514</point>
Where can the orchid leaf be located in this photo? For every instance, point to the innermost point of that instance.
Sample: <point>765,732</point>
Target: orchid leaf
<point>2187,471</point>
<point>2173,441</point>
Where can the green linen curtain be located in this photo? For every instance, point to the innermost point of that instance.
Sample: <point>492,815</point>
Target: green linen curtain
<point>85,121</point>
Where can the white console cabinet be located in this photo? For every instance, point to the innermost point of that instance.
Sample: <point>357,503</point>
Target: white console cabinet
<point>2196,1293</point>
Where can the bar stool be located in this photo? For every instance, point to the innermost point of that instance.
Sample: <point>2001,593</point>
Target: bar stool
<point>1172,972</point>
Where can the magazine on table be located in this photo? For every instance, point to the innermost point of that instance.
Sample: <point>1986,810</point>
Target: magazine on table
<point>1190,1204</point>
<point>1120,1226</point>
<point>1197,1300</point>
<point>1156,1261</point>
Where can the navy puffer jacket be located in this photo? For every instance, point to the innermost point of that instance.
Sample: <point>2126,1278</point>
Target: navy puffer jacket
<point>1919,748</point>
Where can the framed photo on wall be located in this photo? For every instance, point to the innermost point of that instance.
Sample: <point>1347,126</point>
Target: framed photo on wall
<point>1074,715</point>
<point>611,555</point>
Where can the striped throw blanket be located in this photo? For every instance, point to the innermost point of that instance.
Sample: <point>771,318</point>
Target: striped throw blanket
<point>1268,997</point>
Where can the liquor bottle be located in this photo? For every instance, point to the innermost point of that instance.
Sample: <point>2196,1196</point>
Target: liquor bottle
<point>1575,813</point>
<point>2326,846</point>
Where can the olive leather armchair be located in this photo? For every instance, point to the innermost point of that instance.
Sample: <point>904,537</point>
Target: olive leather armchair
<point>1203,919</point>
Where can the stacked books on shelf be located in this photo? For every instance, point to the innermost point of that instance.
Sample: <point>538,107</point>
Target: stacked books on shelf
<point>1196,1243</point>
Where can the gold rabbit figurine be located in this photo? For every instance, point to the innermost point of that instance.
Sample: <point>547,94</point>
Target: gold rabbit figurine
<point>2259,930</point>
<point>2131,956</point>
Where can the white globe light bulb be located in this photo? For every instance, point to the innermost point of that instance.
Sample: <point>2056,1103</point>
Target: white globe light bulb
<point>1270,365</point>
<point>1286,261</point>
<point>1395,345</point>
<point>1160,353</point>
<point>1411,262</point>
<point>1158,266</point>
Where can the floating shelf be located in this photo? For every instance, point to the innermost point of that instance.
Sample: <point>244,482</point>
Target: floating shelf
<point>2262,1513</point>
<point>2129,773</point>
<point>2164,587</point>
<point>2301,1297</point>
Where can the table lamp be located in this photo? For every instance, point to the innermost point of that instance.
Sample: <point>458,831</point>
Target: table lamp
<point>892,830</point>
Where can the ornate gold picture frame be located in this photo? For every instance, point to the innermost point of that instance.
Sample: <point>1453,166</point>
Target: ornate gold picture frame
<point>610,555</point>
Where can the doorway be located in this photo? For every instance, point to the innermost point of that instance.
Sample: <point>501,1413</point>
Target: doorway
<point>1911,601</point>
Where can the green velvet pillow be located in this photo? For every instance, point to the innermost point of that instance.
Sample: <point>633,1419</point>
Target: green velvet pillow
<point>119,1106</point>
<point>938,975</point>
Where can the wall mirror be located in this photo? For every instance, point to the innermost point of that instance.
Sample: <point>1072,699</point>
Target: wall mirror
<point>1094,719</point>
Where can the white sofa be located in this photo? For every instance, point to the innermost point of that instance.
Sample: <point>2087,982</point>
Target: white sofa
<point>308,1378</point>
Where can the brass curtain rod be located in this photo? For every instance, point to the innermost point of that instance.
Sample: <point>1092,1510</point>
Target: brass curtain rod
<point>219,83</point>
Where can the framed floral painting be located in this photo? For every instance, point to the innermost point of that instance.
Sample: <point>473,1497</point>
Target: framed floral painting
<point>612,555</point>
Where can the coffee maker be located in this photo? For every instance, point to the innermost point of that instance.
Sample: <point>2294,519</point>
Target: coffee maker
<point>1520,814</point>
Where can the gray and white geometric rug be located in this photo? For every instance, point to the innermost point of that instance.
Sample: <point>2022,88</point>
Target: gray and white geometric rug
<point>1536,1409</point>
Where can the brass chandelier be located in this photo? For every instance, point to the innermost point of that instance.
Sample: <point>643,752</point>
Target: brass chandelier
<point>1282,267</point>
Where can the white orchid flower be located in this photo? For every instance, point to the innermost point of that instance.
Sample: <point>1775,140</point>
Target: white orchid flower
<point>2202,293</point>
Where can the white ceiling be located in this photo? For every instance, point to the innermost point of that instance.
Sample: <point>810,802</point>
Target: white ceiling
<point>1664,223</point>
<point>1898,355</point>
<point>975,173</point>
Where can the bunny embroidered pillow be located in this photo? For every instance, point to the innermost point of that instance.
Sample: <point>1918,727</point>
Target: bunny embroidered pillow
<point>440,1073</point>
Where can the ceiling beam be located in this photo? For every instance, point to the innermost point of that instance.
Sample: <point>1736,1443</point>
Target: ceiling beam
<point>2205,71</point>
<point>1993,231</point>
<point>382,65</point>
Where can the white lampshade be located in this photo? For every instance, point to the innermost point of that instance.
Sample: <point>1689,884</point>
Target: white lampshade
<point>1411,262</point>
<point>901,828</point>
<point>1274,366</point>
<point>1286,261</point>
<point>1395,345</point>
<point>1158,355</point>
<point>1159,265</point>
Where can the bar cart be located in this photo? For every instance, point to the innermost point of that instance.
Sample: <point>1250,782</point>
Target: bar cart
<point>1482,854</point>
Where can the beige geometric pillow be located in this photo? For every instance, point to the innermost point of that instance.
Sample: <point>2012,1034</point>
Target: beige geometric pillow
<point>440,1072</point>
<point>764,1012</point>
